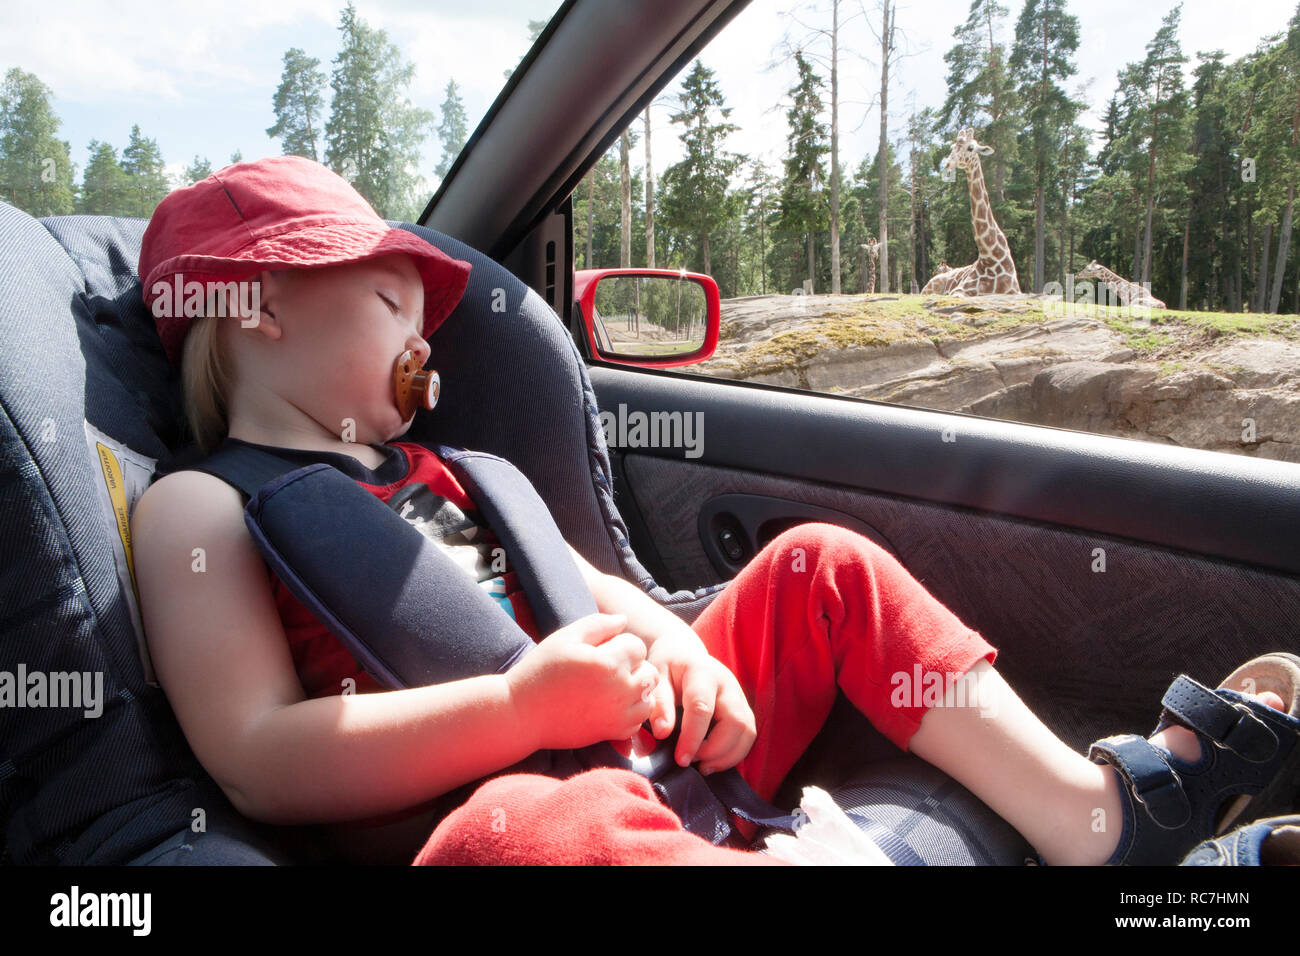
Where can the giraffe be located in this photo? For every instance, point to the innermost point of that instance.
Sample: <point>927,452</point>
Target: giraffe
<point>873,254</point>
<point>1130,293</point>
<point>994,271</point>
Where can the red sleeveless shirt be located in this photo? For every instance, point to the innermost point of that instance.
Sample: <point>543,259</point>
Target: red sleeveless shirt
<point>430,498</point>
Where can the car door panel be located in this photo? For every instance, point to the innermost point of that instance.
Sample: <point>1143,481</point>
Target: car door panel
<point>1090,646</point>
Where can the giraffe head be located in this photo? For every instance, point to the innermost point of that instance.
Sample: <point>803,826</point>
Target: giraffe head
<point>966,152</point>
<point>1091,271</point>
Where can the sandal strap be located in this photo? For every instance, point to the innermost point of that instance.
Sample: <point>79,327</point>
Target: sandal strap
<point>1151,780</point>
<point>1230,725</point>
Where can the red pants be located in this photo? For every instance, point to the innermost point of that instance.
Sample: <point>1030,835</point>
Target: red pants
<point>819,608</point>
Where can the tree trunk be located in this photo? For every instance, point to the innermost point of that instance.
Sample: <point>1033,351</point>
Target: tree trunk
<point>1074,196</point>
<point>1137,254</point>
<point>1040,273</point>
<point>911,219</point>
<point>812,263</point>
<point>649,198</point>
<point>1146,241</point>
<point>625,200</point>
<point>886,51</point>
<point>708,265</point>
<point>1261,280</point>
<point>1250,254</point>
<point>1182,278</point>
<point>1283,248</point>
<point>1060,242</point>
<point>835,148</point>
<point>1236,262</point>
<point>591,215</point>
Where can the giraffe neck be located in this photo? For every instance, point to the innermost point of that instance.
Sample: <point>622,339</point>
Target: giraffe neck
<point>1109,276</point>
<point>989,238</point>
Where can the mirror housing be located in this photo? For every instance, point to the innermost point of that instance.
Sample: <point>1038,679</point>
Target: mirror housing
<point>653,318</point>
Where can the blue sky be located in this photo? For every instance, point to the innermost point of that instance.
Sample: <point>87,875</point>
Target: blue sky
<point>201,82</point>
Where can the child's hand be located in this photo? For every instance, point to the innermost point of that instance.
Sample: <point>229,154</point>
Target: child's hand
<point>585,683</point>
<point>708,694</point>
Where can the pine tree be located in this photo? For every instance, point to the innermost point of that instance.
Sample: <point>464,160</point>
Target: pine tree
<point>1041,59</point>
<point>804,207</point>
<point>453,130</point>
<point>981,91</point>
<point>1273,140</point>
<point>693,199</point>
<point>35,165</point>
<point>888,50</point>
<point>1162,121</point>
<point>759,196</point>
<point>198,170</point>
<point>297,105</point>
<point>105,186</point>
<point>143,164</point>
<point>1209,180</point>
<point>373,135</point>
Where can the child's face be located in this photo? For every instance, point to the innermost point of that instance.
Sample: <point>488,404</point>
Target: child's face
<point>340,329</point>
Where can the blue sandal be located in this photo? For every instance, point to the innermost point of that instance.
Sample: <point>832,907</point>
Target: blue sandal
<point>1249,766</point>
<point>1274,841</point>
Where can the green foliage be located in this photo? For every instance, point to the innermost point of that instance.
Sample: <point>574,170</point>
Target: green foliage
<point>35,165</point>
<point>453,130</point>
<point>147,180</point>
<point>373,135</point>
<point>196,171</point>
<point>297,105</point>
<point>105,188</point>
<point>693,198</point>
<point>981,90</point>
<point>805,192</point>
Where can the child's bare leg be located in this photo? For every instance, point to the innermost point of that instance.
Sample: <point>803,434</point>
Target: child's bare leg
<point>1066,806</point>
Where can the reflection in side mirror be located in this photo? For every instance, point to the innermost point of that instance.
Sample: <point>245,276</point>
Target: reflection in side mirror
<point>649,317</point>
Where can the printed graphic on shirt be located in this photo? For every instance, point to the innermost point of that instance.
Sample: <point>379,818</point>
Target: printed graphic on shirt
<point>472,546</point>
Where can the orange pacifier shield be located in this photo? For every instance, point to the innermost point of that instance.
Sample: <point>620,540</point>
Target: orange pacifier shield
<point>413,387</point>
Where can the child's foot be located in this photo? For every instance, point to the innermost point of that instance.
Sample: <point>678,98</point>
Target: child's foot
<point>1182,743</point>
<point>1178,741</point>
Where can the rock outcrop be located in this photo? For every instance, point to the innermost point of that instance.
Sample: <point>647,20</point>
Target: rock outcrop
<point>1016,358</point>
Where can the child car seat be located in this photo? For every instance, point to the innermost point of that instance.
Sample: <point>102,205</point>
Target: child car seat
<point>82,367</point>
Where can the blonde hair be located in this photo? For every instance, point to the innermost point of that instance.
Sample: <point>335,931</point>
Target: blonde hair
<point>207,369</point>
<point>205,383</point>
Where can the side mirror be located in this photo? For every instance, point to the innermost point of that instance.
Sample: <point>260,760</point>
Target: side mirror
<point>655,318</point>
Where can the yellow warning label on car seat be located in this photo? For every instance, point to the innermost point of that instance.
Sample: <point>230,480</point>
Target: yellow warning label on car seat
<point>124,475</point>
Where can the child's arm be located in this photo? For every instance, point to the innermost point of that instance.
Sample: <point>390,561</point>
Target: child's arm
<point>703,686</point>
<point>222,657</point>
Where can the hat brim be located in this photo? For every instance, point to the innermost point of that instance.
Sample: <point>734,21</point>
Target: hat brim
<point>315,247</point>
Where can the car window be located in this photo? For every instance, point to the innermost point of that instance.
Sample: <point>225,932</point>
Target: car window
<point>1086,216</point>
<point>386,97</point>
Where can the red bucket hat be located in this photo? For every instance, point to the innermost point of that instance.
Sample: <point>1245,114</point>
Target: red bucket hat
<point>285,212</point>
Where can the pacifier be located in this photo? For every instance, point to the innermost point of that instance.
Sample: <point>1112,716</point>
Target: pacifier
<point>414,387</point>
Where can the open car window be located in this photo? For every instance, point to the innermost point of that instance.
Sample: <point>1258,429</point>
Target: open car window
<point>1015,210</point>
